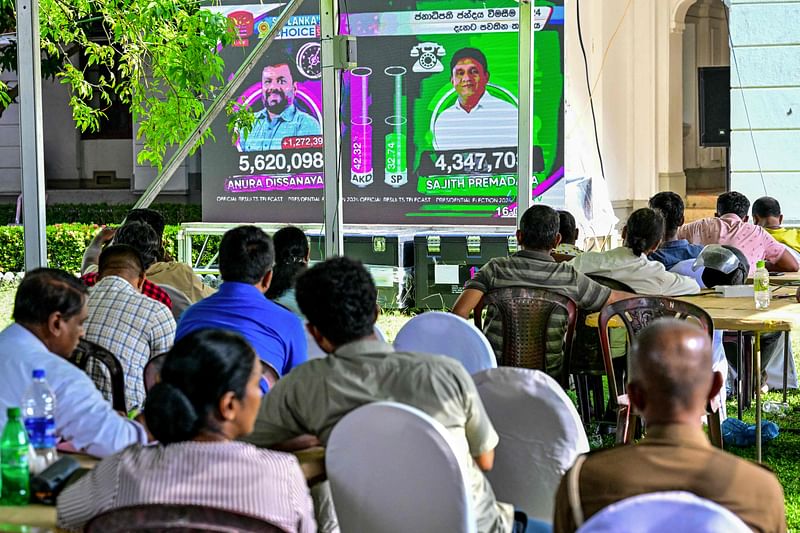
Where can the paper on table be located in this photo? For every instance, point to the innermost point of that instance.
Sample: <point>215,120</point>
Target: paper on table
<point>445,274</point>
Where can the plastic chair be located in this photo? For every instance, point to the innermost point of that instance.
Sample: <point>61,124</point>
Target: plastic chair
<point>185,518</point>
<point>636,313</point>
<point>394,469</point>
<point>152,370</point>
<point>541,435</point>
<point>586,363</point>
<point>527,315</point>
<point>88,351</point>
<point>315,352</point>
<point>441,333</point>
<point>664,512</point>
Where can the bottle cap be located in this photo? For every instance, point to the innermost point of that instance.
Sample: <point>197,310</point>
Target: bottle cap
<point>38,373</point>
<point>14,412</point>
<point>761,264</point>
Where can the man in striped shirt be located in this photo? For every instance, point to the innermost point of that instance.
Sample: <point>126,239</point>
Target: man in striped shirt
<point>534,267</point>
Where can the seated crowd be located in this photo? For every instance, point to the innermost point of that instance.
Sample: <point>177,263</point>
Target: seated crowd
<point>203,435</point>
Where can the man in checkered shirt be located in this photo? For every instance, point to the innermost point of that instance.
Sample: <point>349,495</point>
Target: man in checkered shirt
<point>122,320</point>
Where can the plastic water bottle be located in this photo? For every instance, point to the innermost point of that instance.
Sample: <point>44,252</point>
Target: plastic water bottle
<point>761,286</point>
<point>14,460</point>
<point>38,409</point>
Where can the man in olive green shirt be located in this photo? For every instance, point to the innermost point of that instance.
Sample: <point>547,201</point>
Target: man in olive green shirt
<point>338,297</point>
<point>671,381</point>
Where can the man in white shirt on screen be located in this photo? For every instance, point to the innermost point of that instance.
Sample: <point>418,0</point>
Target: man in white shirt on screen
<point>477,119</point>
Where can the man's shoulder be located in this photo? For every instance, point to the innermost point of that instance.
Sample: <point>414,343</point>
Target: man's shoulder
<point>304,376</point>
<point>153,306</point>
<point>304,116</point>
<point>495,103</point>
<point>114,290</point>
<point>281,316</point>
<point>432,363</point>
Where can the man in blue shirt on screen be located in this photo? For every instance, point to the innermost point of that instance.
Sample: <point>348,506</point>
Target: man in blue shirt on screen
<point>280,117</point>
<point>246,256</point>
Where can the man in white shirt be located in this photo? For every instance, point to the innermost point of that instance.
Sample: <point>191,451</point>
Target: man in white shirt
<point>477,120</point>
<point>49,310</point>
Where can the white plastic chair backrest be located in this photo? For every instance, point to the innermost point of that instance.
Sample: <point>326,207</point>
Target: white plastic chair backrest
<point>394,469</point>
<point>664,512</point>
<point>315,352</point>
<point>180,302</point>
<point>442,333</point>
<point>684,268</point>
<point>540,436</point>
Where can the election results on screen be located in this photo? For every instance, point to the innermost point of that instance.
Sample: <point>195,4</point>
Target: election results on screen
<point>428,118</point>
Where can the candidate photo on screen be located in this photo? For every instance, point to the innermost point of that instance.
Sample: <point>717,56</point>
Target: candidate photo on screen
<point>477,119</point>
<point>280,118</point>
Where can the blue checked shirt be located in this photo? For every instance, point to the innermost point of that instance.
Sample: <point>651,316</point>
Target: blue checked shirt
<point>269,134</point>
<point>131,326</point>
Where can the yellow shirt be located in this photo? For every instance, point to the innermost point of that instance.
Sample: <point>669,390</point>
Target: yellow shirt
<point>787,236</point>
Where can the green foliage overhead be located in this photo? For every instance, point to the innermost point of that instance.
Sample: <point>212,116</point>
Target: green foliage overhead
<point>156,56</point>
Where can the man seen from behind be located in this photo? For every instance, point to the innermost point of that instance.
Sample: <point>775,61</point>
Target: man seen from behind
<point>339,300</point>
<point>670,383</point>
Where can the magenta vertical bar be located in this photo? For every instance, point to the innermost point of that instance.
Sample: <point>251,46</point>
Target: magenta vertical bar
<point>361,126</point>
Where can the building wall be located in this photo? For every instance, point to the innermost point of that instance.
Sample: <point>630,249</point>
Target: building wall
<point>71,162</point>
<point>705,44</point>
<point>634,52</point>
<point>765,101</point>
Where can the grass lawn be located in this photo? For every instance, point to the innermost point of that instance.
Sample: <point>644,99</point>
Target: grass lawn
<point>782,455</point>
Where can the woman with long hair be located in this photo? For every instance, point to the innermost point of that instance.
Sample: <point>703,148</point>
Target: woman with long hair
<point>207,398</point>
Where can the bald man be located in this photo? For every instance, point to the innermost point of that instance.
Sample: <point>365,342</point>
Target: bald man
<point>670,383</point>
<point>125,322</point>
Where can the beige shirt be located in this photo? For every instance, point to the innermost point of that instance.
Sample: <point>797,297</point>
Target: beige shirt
<point>314,396</point>
<point>638,273</point>
<point>675,458</point>
<point>182,277</point>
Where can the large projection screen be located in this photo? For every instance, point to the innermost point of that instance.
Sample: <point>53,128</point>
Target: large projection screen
<point>428,119</point>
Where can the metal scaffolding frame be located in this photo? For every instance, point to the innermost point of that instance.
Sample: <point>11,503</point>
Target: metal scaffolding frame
<point>32,162</point>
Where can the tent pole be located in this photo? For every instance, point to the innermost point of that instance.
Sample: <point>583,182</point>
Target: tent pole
<point>525,143</point>
<point>31,140</point>
<point>334,244</point>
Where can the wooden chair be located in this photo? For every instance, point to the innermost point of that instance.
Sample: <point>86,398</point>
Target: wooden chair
<point>636,313</point>
<point>152,371</point>
<point>89,351</point>
<point>156,518</point>
<point>525,314</point>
